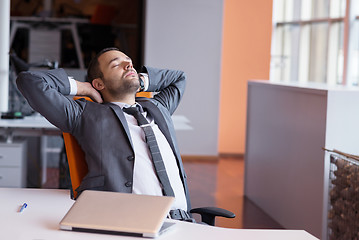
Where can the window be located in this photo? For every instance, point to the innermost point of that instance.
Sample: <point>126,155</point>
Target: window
<point>353,53</point>
<point>315,41</point>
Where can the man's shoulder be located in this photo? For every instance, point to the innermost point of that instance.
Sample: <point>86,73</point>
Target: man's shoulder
<point>90,106</point>
<point>146,101</point>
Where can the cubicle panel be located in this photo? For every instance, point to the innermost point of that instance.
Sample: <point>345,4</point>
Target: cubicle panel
<point>284,157</point>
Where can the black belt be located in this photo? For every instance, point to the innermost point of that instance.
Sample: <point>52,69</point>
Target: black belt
<point>181,215</point>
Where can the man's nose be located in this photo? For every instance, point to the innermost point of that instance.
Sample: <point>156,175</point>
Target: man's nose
<point>128,66</point>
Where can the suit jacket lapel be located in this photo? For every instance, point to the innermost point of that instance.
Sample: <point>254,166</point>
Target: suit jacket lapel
<point>122,118</point>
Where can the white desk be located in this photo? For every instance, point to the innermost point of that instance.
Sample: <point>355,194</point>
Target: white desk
<point>40,220</point>
<point>37,125</point>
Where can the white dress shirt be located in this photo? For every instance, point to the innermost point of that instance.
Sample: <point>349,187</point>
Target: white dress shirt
<point>145,180</point>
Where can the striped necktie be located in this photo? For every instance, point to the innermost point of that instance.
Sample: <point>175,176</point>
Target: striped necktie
<point>154,150</point>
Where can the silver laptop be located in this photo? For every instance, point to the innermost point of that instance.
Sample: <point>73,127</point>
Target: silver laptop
<point>119,213</point>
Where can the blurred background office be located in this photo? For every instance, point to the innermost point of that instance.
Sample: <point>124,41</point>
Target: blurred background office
<point>221,45</point>
<point>213,41</point>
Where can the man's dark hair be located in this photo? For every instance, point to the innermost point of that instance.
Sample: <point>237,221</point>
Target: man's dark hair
<point>93,71</point>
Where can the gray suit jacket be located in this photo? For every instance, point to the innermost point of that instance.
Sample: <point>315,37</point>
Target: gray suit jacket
<point>101,129</point>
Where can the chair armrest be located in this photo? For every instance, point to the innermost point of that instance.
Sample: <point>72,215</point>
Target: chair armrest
<point>208,214</point>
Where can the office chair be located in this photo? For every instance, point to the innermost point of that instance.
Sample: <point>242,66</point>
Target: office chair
<point>78,169</point>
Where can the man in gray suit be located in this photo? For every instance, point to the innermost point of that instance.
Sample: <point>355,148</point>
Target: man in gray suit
<point>116,151</point>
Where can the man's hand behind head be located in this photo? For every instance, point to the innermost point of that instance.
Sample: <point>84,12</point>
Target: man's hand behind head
<point>86,89</point>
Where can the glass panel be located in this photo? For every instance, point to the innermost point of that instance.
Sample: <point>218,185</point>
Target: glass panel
<point>286,54</point>
<point>340,66</point>
<point>306,12</point>
<point>337,8</point>
<point>304,54</point>
<point>354,7</point>
<point>283,55</point>
<point>318,54</point>
<point>353,75</point>
<point>278,10</point>
<point>297,9</point>
<point>295,40</point>
<point>290,53</point>
<point>353,62</point>
<point>277,63</point>
<point>320,9</point>
<point>335,54</point>
<point>289,9</point>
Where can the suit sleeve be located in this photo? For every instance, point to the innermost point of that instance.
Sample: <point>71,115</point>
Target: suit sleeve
<point>169,86</point>
<point>46,93</point>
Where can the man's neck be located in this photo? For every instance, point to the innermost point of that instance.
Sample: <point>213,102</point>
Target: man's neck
<point>130,100</point>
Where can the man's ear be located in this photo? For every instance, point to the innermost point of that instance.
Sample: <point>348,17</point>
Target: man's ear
<point>98,84</point>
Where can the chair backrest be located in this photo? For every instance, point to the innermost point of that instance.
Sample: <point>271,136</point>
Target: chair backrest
<point>76,160</point>
<point>76,157</point>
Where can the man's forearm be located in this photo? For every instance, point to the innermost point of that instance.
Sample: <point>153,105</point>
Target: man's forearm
<point>170,85</point>
<point>160,79</point>
<point>34,83</point>
<point>46,93</point>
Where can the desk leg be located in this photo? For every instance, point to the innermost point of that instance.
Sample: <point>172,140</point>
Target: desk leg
<point>75,36</point>
<point>9,135</point>
<point>43,159</point>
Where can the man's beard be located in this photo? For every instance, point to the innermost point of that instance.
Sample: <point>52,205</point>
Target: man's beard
<point>128,86</point>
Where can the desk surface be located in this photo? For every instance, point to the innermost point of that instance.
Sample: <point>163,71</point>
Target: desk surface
<point>39,122</point>
<point>35,121</point>
<point>46,207</point>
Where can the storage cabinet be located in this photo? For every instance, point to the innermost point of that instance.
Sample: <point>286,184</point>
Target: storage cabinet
<point>343,221</point>
<point>12,164</point>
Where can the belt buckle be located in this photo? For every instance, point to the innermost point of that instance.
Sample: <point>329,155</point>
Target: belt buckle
<point>178,214</point>
<point>145,125</point>
<point>183,214</point>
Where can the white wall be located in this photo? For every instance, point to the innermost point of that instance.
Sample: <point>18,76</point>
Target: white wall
<point>4,54</point>
<point>187,35</point>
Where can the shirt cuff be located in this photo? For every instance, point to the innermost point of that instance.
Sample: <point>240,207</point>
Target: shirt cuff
<point>73,86</point>
<point>145,81</point>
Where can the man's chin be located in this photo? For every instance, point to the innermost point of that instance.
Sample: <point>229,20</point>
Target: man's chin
<point>133,87</point>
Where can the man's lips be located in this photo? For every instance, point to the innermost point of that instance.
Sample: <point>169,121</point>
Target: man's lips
<point>130,73</point>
